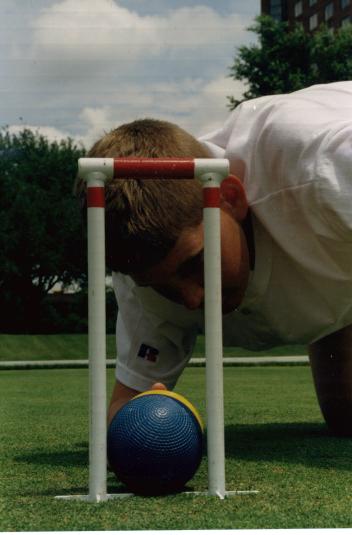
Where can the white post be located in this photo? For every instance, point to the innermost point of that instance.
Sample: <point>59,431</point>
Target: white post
<point>96,338</point>
<point>213,335</point>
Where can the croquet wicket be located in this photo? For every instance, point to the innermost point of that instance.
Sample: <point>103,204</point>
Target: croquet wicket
<point>95,171</point>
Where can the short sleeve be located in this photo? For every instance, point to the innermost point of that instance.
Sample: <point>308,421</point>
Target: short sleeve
<point>150,348</point>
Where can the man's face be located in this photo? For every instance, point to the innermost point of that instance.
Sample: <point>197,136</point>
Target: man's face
<point>180,276</point>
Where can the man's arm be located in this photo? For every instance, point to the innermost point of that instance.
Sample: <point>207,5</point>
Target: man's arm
<point>121,394</point>
<point>331,363</point>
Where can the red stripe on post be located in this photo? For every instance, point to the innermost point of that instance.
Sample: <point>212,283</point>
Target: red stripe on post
<point>211,197</point>
<point>95,197</point>
<point>153,168</point>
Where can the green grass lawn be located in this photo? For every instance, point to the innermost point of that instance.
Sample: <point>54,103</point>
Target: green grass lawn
<point>75,346</point>
<point>276,443</point>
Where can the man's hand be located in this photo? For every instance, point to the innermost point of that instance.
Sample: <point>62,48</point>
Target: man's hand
<point>331,363</point>
<point>121,394</point>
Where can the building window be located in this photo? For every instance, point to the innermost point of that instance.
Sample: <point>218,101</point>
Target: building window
<point>329,11</point>
<point>298,8</point>
<point>345,21</point>
<point>312,3</point>
<point>276,9</point>
<point>313,22</point>
<point>344,3</point>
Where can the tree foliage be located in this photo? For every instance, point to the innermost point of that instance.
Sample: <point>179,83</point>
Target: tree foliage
<point>286,60</point>
<point>42,239</point>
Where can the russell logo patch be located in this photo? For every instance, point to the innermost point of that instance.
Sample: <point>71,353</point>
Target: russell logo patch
<point>148,353</point>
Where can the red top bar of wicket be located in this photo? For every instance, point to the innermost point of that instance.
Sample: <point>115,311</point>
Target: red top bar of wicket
<point>154,167</point>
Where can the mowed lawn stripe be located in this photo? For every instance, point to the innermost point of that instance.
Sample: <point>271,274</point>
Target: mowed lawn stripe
<point>276,442</point>
<point>75,346</point>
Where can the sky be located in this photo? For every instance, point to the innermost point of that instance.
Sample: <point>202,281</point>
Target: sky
<point>79,68</point>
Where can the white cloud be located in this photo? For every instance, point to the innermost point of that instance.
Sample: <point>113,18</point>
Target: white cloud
<point>89,65</point>
<point>213,109</point>
<point>96,31</point>
<point>193,104</point>
<point>199,26</point>
<point>196,106</point>
<point>96,121</point>
<point>91,30</point>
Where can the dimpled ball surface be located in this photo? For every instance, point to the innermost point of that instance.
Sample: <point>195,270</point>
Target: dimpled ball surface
<point>155,444</point>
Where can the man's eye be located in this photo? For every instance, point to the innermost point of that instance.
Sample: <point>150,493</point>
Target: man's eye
<point>193,265</point>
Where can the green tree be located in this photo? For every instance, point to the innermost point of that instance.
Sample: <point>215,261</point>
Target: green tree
<point>42,240</point>
<point>288,59</point>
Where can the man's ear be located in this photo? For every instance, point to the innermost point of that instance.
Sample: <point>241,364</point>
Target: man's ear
<point>233,197</point>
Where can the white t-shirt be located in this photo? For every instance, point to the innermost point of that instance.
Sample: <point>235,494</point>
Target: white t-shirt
<point>293,154</point>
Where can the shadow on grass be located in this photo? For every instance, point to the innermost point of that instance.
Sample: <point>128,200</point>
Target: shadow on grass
<point>115,487</point>
<point>66,458</point>
<point>295,443</point>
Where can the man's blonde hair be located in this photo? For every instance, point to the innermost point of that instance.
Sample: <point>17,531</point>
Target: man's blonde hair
<point>144,218</point>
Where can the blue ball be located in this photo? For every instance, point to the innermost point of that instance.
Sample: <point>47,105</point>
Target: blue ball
<point>155,443</point>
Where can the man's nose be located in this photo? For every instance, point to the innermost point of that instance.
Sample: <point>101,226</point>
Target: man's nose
<point>192,295</point>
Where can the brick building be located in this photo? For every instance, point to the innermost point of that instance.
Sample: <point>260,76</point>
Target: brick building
<point>310,13</point>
